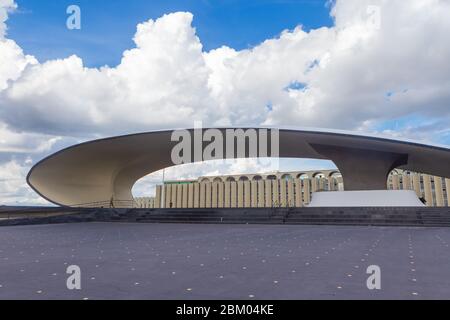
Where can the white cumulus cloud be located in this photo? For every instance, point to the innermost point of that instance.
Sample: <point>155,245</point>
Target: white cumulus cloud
<point>381,63</point>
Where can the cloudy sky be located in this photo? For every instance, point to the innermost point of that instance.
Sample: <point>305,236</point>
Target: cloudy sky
<point>370,66</point>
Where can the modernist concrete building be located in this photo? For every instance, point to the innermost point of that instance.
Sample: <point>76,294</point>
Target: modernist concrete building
<point>103,172</point>
<point>280,189</point>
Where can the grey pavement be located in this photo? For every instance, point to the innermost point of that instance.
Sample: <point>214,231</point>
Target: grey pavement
<point>208,261</point>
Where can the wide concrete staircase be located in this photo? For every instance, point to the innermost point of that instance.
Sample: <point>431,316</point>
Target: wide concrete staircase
<point>387,216</point>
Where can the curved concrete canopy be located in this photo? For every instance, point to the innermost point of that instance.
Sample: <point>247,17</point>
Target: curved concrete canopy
<point>100,169</point>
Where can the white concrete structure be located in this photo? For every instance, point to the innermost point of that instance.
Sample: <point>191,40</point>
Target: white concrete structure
<point>104,171</point>
<point>371,198</point>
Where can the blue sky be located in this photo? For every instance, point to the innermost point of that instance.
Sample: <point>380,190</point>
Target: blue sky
<point>390,78</point>
<point>108,26</point>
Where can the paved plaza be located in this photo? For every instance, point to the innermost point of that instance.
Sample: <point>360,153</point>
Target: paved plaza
<point>212,261</point>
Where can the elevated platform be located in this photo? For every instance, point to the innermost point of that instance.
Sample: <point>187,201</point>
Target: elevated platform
<point>366,198</point>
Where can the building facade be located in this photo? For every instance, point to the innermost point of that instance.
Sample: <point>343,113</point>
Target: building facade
<point>280,189</point>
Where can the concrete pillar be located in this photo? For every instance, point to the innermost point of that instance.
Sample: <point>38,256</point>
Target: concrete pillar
<point>254,194</point>
<point>202,194</point>
<point>321,185</point>
<point>395,182</point>
<point>215,188</point>
<point>184,193</point>
<point>406,181</point>
<point>416,184</point>
<point>340,184</point>
<point>227,194</point>
<point>427,190</point>
<point>268,193</point>
<point>314,185</point>
<point>275,193</point>
<point>447,190</point>
<point>179,201</point>
<point>167,195</point>
<point>173,199</point>
<point>331,184</point>
<point>298,193</point>
<point>261,194</point>
<point>196,195</point>
<point>439,192</point>
<point>233,190</point>
<point>190,195</point>
<point>291,196</point>
<point>220,197</point>
<point>247,194</point>
<point>283,193</point>
<point>158,197</point>
<point>208,195</point>
<point>306,191</point>
<point>240,194</point>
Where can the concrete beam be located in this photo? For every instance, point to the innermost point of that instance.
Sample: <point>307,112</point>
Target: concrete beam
<point>362,169</point>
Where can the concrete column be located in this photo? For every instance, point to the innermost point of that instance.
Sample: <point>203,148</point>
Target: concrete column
<point>268,193</point>
<point>215,187</point>
<point>283,193</point>
<point>184,202</point>
<point>306,191</point>
<point>254,188</point>
<point>439,192</point>
<point>233,197</point>
<point>179,196</point>
<point>427,190</point>
<point>240,194</point>
<point>202,195</point>
<point>314,184</point>
<point>416,184</point>
<point>260,193</point>
<point>208,195</point>
<point>190,195</point>
<point>220,197</point>
<point>196,195</point>
<point>167,195</point>
<point>275,193</point>
<point>406,179</point>
<point>227,194</point>
<point>395,182</point>
<point>298,193</point>
<point>447,190</point>
<point>291,196</point>
<point>340,184</point>
<point>331,184</point>
<point>173,199</point>
<point>248,193</point>
<point>321,185</point>
<point>158,197</point>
